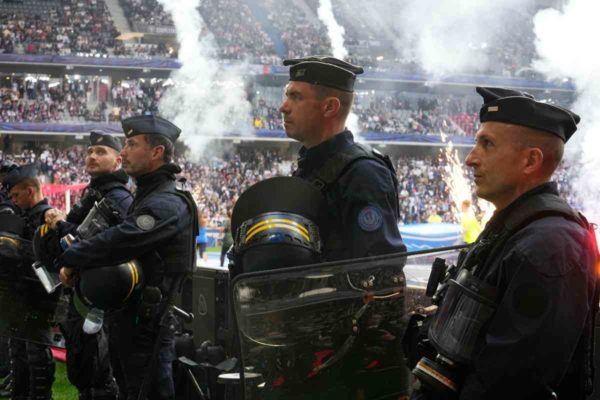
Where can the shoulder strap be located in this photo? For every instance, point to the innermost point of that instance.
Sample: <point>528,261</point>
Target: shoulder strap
<point>337,165</point>
<point>108,186</point>
<point>534,208</point>
<point>182,189</point>
<point>541,206</point>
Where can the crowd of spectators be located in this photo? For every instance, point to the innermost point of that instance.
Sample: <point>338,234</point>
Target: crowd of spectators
<point>61,27</point>
<point>39,100</point>
<point>217,181</point>
<point>395,114</point>
<point>301,35</point>
<point>143,13</point>
<point>76,100</point>
<point>85,27</point>
<point>30,99</point>
<point>238,34</point>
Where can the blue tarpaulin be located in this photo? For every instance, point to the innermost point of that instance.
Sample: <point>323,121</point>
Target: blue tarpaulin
<point>430,236</point>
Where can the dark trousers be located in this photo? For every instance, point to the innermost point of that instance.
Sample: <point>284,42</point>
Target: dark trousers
<point>133,339</point>
<point>32,367</point>
<point>88,361</point>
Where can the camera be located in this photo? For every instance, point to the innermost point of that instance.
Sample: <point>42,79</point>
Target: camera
<point>465,305</point>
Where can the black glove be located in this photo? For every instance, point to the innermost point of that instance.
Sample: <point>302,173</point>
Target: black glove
<point>46,246</point>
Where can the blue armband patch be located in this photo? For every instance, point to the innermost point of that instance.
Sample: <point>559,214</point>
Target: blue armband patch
<point>370,218</point>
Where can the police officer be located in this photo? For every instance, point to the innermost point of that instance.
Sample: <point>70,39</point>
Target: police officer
<point>531,269</point>
<point>88,362</point>
<point>359,183</point>
<point>361,191</point>
<point>159,231</point>
<point>31,363</point>
<point>6,206</point>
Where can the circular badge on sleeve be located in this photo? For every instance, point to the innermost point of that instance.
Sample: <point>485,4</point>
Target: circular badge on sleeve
<point>370,218</point>
<point>145,222</point>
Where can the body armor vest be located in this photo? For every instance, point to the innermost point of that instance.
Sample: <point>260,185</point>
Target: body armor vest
<point>325,177</point>
<point>90,196</point>
<point>180,255</point>
<point>477,260</point>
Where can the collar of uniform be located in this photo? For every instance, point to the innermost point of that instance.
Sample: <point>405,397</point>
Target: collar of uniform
<point>498,217</point>
<point>117,176</point>
<point>314,157</point>
<point>157,177</point>
<point>42,202</point>
<point>34,212</point>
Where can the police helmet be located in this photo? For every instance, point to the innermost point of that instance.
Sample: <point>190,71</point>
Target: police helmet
<point>11,230</point>
<point>108,288</point>
<point>274,225</point>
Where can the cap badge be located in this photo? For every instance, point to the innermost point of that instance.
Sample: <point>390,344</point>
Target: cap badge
<point>493,109</point>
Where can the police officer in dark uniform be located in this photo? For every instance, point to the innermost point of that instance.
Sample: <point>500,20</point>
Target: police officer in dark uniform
<point>359,183</point>
<point>88,362</point>
<point>159,232</point>
<point>31,362</point>
<point>516,320</point>
<point>6,207</point>
<point>361,191</point>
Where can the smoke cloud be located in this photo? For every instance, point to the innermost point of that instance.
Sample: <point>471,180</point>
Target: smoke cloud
<point>449,36</point>
<point>565,43</point>
<point>334,30</point>
<point>206,99</point>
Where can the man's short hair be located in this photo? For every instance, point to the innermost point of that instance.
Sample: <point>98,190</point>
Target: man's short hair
<point>551,146</point>
<point>345,98</point>
<point>160,140</point>
<point>30,182</point>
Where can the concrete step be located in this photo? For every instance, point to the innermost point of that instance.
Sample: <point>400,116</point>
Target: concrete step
<point>116,11</point>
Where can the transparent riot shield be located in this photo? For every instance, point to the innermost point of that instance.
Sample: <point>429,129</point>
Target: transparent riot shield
<point>330,330</point>
<point>27,311</point>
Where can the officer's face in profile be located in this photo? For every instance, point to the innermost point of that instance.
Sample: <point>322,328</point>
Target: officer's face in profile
<point>101,160</point>
<point>301,111</point>
<point>137,155</point>
<point>498,163</point>
<point>21,196</point>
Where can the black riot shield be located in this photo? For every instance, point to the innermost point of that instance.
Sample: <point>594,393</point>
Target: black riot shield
<point>330,330</point>
<point>26,309</point>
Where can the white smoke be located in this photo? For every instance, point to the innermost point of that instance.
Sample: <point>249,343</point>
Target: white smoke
<point>565,44</point>
<point>334,30</point>
<point>206,99</point>
<point>450,36</point>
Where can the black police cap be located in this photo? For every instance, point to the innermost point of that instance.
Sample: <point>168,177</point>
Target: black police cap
<point>519,108</point>
<point>7,166</point>
<point>99,138</point>
<point>18,175</point>
<point>150,125</point>
<point>324,71</point>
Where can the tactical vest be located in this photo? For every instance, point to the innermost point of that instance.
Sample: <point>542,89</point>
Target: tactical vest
<point>180,255</point>
<point>325,177</point>
<point>333,169</point>
<point>581,369</point>
<point>90,196</point>
<point>33,218</point>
